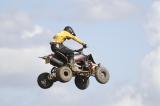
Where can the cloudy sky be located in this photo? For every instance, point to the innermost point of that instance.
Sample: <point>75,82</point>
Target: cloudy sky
<point>123,36</point>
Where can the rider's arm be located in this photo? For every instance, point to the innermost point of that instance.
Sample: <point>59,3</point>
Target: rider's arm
<point>75,38</point>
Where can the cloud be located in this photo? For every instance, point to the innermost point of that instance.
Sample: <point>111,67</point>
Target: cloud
<point>153,27</point>
<point>108,9</point>
<point>37,30</point>
<point>77,10</point>
<point>151,67</point>
<point>17,29</point>
<point>97,10</point>
<point>128,96</point>
<point>151,62</point>
<point>124,95</point>
<point>150,75</point>
<point>129,101</point>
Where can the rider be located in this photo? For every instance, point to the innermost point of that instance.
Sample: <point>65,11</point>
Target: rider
<point>59,38</point>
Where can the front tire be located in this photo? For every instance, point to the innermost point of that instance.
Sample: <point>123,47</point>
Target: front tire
<point>44,81</point>
<point>102,75</point>
<point>64,74</point>
<point>82,82</point>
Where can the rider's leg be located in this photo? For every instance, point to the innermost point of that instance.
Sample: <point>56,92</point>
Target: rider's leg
<point>69,52</point>
<point>54,47</point>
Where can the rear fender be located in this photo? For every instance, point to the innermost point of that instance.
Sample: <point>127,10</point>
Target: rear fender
<point>79,58</point>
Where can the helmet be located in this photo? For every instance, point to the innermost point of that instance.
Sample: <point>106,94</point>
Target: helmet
<point>70,30</point>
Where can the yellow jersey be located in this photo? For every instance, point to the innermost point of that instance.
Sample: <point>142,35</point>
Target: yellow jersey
<point>62,36</point>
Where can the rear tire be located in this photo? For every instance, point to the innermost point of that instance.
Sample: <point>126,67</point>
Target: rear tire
<point>44,81</point>
<point>102,75</point>
<point>64,74</point>
<point>82,82</point>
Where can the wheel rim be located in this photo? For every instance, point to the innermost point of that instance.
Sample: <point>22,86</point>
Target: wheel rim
<point>102,75</point>
<point>64,74</point>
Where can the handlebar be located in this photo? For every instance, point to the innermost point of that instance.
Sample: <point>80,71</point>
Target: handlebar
<point>79,50</point>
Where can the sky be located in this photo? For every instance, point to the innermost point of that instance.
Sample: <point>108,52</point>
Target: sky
<point>122,35</point>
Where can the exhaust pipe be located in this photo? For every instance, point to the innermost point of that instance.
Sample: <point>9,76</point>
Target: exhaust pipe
<point>55,61</point>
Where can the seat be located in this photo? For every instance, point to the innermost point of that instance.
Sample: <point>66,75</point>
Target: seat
<point>61,56</point>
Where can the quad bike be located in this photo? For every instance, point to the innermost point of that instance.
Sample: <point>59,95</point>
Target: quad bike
<point>63,70</point>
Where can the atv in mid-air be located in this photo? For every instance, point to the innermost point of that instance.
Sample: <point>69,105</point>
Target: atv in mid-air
<point>63,70</point>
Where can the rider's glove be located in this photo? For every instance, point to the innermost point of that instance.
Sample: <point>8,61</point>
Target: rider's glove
<point>84,45</point>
